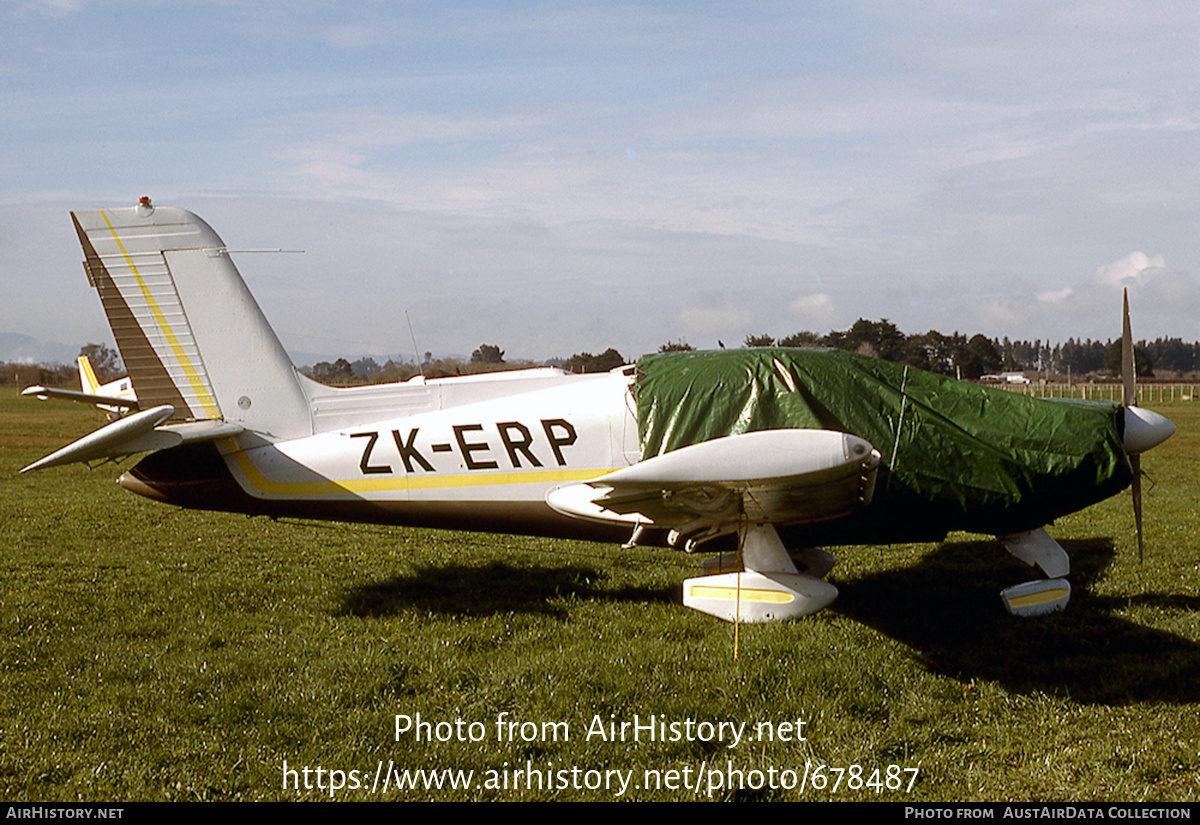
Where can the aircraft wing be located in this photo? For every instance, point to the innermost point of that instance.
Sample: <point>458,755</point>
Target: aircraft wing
<point>136,433</point>
<point>791,476</point>
<point>42,393</point>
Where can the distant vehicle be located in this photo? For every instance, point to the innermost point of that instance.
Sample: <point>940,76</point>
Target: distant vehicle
<point>1006,378</point>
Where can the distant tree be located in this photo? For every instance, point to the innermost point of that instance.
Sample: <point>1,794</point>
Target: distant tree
<point>339,372</point>
<point>586,362</point>
<point>610,359</point>
<point>488,354</point>
<point>1142,365</point>
<point>364,367</point>
<point>676,346</point>
<point>1173,354</point>
<point>834,339</point>
<point>758,341</point>
<point>978,357</point>
<point>394,370</point>
<point>48,375</point>
<point>877,339</point>
<point>1022,355</point>
<point>804,338</point>
<point>1008,360</point>
<point>105,362</point>
<point>1082,357</point>
<point>931,351</point>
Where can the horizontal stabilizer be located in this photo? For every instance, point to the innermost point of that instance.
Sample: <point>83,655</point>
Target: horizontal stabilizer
<point>137,433</point>
<point>44,393</point>
<point>175,435</point>
<point>103,441</point>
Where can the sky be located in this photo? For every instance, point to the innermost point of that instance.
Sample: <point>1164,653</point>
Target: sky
<point>555,178</point>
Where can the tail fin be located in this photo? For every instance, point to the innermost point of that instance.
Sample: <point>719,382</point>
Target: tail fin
<point>189,331</point>
<point>87,376</point>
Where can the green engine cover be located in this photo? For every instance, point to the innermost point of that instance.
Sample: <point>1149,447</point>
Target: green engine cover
<point>956,455</point>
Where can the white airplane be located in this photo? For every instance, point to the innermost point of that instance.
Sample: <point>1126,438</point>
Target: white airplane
<point>115,396</point>
<point>762,453</point>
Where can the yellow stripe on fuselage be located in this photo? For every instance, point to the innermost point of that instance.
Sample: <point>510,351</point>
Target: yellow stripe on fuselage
<point>206,401</point>
<point>356,486</point>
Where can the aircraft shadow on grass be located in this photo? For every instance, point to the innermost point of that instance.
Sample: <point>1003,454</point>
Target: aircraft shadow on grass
<point>945,608</point>
<point>495,589</point>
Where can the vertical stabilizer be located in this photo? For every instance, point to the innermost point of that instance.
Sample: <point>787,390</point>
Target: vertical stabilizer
<point>190,333</point>
<point>87,376</point>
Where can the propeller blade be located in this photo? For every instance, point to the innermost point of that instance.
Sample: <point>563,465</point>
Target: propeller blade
<point>1136,462</point>
<point>1128,370</point>
<point>1129,380</point>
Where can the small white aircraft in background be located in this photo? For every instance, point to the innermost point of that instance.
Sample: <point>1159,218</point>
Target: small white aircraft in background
<point>120,389</point>
<point>768,451</point>
<point>116,396</point>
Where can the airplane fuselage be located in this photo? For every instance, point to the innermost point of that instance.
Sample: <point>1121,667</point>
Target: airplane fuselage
<point>482,465</point>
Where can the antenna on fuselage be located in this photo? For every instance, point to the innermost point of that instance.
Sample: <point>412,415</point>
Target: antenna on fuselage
<point>416,352</point>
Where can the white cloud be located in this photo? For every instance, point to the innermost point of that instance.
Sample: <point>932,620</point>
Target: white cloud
<point>50,8</point>
<point>358,35</point>
<point>1056,296</point>
<point>1135,269</point>
<point>1162,303</point>
<point>816,310</point>
<point>996,313</point>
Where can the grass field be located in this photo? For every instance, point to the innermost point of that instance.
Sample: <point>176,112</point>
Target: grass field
<point>150,653</point>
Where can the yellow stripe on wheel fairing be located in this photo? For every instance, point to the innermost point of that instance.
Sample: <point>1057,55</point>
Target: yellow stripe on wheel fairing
<point>1041,597</point>
<point>746,594</point>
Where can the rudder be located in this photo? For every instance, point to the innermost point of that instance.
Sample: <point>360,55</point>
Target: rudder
<point>87,376</point>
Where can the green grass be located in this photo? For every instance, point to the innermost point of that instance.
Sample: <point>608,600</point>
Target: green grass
<point>150,653</point>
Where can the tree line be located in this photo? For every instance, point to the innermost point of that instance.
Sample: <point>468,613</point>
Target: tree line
<point>955,354</point>
<point>485,358</point>
<point>1080,357</point>
<point>971,357</point>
